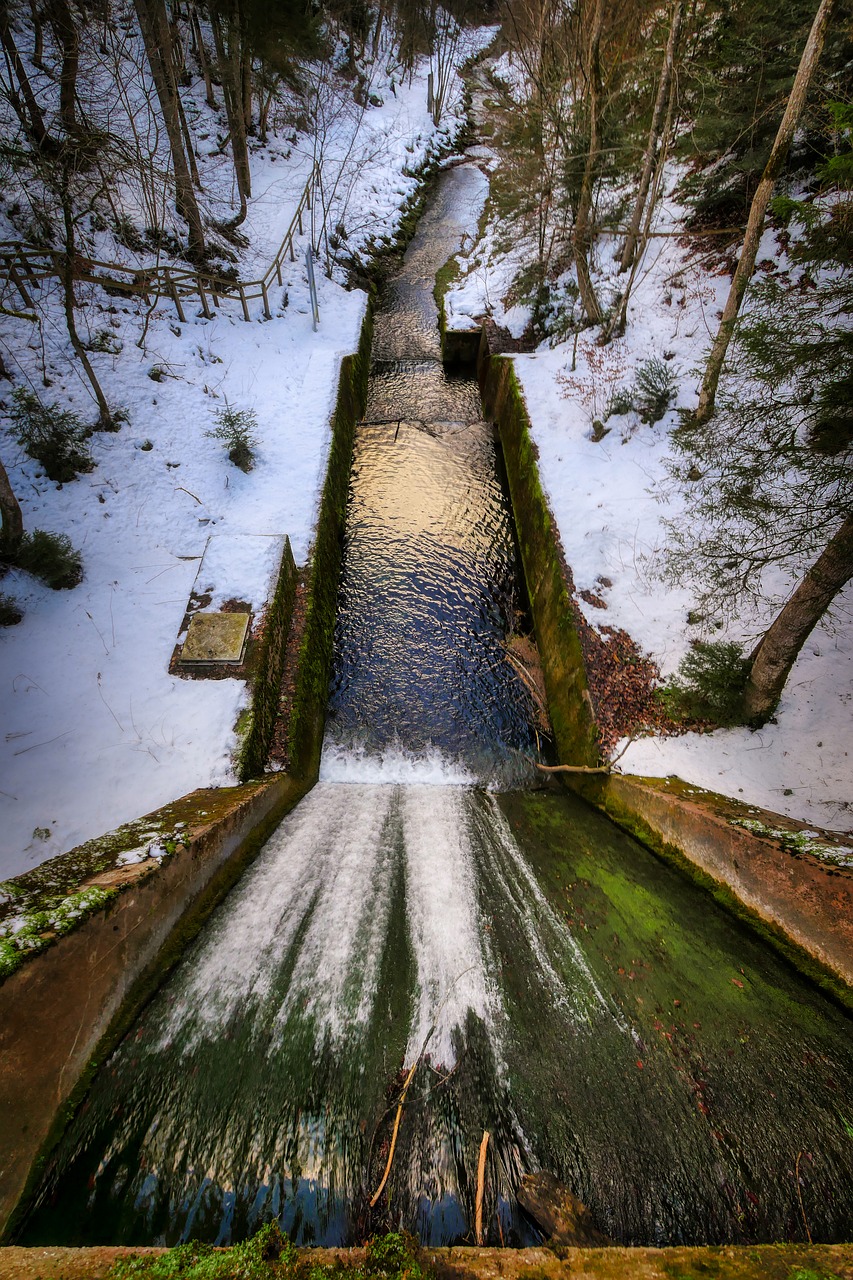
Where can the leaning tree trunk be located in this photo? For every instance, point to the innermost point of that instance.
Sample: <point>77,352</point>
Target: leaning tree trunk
<point>758,208</point>
<point>155,33</point>
<point>630,247</point>
<point>582,230</point>
<point>29,112</point>
<point>777,651</point>
<point>12,527</point>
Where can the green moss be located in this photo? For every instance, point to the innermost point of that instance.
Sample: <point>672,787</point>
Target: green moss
<point>268,1256</point>
<point>547,582</point>
<point>266,682</point>
<point>630,821</point>
<point>315,656</point>
<point>33,930</point>
<point>798,841</point>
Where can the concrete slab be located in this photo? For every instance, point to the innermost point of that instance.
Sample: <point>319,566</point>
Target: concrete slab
<point>216,637</point>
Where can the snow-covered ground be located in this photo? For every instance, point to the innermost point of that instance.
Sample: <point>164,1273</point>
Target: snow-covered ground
<point>611,496</point>
<point>95,730</point>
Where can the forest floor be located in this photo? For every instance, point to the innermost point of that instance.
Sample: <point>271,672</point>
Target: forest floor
<point>611,494</point>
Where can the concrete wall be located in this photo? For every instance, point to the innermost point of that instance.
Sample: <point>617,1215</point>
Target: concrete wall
<point>546,574</point>
<point>805,901</point>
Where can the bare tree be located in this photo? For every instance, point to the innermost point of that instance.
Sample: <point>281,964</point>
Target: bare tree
<point>201,54</point>
<point>17,86</point>
<point>230,57</point>
<point>662,105</point>
<point>582,234</point>
<point>67,37</point>
<point>155,33</point>
<point>755,224</point>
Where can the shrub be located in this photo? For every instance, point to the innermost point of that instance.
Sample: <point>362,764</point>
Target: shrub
<point>55,437</point>
<point>107,342</point>
<point>709,683</point>
<point>655,388</point>
<point>10,614</point>
<point>236,429</point>
<point>621,401</point>
<point>50,557</point>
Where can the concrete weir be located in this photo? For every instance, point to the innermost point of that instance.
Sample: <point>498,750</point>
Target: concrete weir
<point>64,1005</point>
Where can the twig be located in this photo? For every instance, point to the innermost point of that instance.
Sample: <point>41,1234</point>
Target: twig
<point>800,1197</point>
<point>408,1081</point>
<point>192,495</point>
<point>378,1192</point>
<point>481,1179</point>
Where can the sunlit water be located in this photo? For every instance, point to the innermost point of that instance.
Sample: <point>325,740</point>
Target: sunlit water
<point>551,981</point>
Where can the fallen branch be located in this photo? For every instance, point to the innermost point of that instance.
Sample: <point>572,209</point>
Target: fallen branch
<point>481,1181</point>
<point>585,768</point>
<point>409,1078</point>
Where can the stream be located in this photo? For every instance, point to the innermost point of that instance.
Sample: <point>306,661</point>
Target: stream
<point>427,912</point>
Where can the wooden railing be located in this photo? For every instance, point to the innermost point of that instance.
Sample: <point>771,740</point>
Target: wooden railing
<point>22,269</point>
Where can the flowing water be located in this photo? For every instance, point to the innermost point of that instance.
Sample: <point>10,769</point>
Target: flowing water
<point>549,980</point>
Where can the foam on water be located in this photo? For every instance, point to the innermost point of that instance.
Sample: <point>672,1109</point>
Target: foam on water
<point>391,767</point>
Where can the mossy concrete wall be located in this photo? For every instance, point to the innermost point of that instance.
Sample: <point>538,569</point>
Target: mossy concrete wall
<point>72,1000</point>
<point>545,571</point>
<point>805,903</point>
<point>315,656</point>
<point>266,680</point>
<point>802,904</point>
<point>87,969</point>
<point>756,1262</point>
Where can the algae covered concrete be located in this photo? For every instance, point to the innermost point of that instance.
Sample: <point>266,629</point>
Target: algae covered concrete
<point>762,1262</point>
<point>78,993</point>
<point>805,900</point>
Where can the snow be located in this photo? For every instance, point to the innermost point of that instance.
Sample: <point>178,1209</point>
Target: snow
<point>610,498</point>
<point>96,730</point>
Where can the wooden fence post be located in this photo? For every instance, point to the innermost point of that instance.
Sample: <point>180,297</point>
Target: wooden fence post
<point>170,285</point>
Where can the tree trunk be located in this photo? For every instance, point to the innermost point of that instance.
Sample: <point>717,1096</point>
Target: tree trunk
<point>201,53</point>
<point>12,528</point>
<point>630,247</point>
<point>65,30</point>
<point>761,199</point>
<point>246,88</point>
<point>155,33</point>
<point>105,418</point>
<point>38,36</point>
<point>31,117</point>
<point>776,652</point>
<point>227,54</point>
<point>582,230</point>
